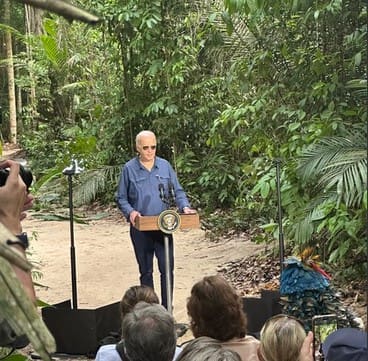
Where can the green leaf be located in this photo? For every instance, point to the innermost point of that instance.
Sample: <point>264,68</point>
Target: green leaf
<point>294,126</point>
<point>155,67</point>
<point>365,197</point>
<point>41,303</point>
<point>265,189</point>
<point>15,357</point>
<point>227,20</point>
<point>357,59</point>
<point>269,227</point>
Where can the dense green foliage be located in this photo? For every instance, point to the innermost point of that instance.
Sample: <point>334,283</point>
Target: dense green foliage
<point>229,87</point>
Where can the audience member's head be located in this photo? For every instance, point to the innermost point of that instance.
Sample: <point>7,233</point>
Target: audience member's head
<point>215,310</point>
<point>206,349</point>
<point>135,294</point>
<point>346,344</point>
<point>149,333</point>
<point>282,338</point>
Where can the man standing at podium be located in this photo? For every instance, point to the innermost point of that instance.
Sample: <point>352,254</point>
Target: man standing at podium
<point>146,184</point>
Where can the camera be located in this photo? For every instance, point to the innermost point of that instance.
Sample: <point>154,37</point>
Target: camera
<point>25,174</point>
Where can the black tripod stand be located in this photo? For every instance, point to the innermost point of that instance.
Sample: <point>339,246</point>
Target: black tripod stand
<point>73,169</point>
<point>78,331</point>
<point>281,234</point>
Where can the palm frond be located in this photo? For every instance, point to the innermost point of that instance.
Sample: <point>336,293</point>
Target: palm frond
<point>338,163</point>
<point>56,55</point>
<point>302,230</point>
<point>94,182</point>
<point>10,29</point>
<point>221,44</point>
<point>350,179</point>
<point>359,87</point>
<point>48,180</point>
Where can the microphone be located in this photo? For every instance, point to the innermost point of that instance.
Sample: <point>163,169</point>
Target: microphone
<point>161,190</point>
<point>171,190</point>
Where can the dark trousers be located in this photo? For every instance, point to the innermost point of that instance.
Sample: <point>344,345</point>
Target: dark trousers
<point>147,244</point>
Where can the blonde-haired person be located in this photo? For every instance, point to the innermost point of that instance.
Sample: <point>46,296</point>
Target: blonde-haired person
<point>283,338</point>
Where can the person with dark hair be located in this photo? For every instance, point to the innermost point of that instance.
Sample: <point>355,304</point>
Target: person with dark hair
<point>149,333</point>
<point>144,182</point>
<point>133,295</point>
<point>206,349</point>
<point>216,310</point>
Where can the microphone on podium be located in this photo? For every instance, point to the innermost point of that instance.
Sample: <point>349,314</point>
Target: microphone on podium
<point>162,192</point>
<point>171,191</point>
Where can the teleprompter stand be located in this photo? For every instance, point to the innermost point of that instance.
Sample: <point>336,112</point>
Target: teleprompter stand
<point>79,331</point>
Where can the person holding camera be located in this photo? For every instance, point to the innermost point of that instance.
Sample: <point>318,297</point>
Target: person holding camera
<point>14,202</point>
<point>145,182</point>
<point>306,351</point>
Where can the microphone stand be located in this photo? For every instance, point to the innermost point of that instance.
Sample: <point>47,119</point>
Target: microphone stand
<point>73,169</point>
<point>169,200</point>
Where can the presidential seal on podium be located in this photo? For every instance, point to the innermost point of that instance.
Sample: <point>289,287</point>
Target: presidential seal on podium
<point>169,221</point>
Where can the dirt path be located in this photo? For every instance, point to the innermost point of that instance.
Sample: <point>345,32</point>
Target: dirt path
<point>106,264</point>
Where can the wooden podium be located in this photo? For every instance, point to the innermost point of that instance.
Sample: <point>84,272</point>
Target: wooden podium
<point>150,223</point>
<point>155,223</point>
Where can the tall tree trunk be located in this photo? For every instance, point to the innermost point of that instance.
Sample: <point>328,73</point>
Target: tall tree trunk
<point>19,98</point>
<point>19,105</point>
<point>33,22</point>
<point>10,71</point>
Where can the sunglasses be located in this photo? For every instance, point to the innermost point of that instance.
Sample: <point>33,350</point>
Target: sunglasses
<point>145,147</point>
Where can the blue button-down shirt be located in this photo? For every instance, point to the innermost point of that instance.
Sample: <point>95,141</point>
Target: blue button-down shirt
<point>139,188</point>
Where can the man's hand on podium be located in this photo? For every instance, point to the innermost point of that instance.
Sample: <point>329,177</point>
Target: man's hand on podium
<point>187,210</point>
<point>132,216</point>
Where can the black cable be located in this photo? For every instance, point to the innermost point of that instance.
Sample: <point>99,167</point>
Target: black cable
<point>11,351</point>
